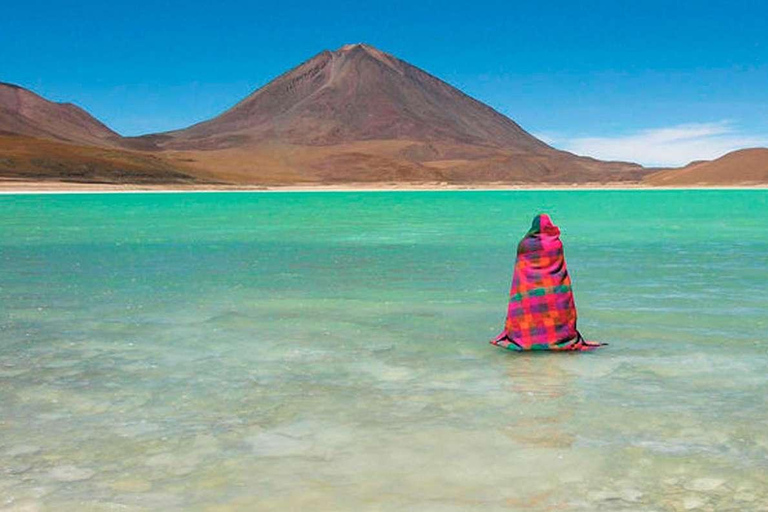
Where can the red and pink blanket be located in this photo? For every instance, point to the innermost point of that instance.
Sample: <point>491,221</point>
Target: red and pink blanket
<point>541,313</point>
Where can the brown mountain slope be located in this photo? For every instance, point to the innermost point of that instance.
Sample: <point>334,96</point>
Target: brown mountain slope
<point>359,114</point>
<point>45,141</point>
<point>743,167</point>
<point>23,112</point>
<point>33,159</point>
<point>356,93</point>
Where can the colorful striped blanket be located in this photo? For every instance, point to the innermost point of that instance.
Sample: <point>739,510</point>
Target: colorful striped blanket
<point>541,313</point>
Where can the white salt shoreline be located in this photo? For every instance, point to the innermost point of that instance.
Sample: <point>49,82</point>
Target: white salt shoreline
<point>66,188</point>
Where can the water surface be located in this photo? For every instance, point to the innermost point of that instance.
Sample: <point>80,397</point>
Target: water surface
<point>307,351</point>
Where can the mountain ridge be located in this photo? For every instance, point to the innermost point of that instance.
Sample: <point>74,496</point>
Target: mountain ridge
<point>24,112</point>
<point>355,114</point>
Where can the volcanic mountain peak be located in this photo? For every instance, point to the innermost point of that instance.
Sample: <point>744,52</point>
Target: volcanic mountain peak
<point>22,112</point>
<point>355,93</point>
<point>366,51</point>
<point>349,47</point>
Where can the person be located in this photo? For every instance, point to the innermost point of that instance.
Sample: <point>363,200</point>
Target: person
<point>541,314</point>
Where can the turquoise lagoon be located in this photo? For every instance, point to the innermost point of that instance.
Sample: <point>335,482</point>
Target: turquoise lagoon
<point>328,351</point>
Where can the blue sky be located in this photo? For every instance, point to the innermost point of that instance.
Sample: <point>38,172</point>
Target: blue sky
<point>660,82</point>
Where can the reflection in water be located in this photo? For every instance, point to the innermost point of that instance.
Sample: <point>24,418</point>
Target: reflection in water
<point>546,393</point>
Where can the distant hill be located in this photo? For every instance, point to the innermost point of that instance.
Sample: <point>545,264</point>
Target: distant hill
<point>35,159</point>
<point>743,167</point>
<point>22,112</point>
<point>45,141</point>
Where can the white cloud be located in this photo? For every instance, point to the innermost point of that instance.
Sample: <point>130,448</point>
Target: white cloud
<point>673,146</point>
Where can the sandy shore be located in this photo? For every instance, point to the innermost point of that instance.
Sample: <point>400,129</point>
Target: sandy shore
<point>13,187</point>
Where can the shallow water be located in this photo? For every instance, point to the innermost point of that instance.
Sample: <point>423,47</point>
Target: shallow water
<point>329,351</point>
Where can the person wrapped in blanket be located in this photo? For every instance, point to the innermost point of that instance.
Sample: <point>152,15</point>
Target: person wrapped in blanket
<point>541,313</point>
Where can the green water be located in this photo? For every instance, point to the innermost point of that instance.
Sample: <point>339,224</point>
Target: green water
<point>328,351</point>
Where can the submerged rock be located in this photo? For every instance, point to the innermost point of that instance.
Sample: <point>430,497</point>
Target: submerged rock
<point>175,464</point>
<point>24,506</point>
<point>23,449</point>
<point>131,485</point>
<point>70,473</point>
<point>17,469</point>
<point>630,495</point>
<point>744,496</point>
<point>704,484</point>
<point>272,444</point>
<point>692,502</point>
<point>627,495</point>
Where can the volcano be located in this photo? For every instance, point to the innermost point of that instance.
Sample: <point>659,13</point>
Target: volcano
<point>357,93</point>
<point>360,114</point>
